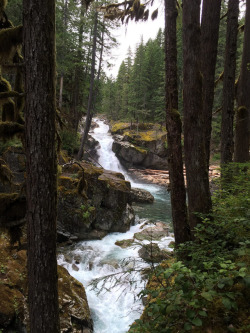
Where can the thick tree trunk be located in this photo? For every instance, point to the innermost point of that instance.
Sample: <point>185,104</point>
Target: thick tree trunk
<point>174,128</point>
<point>199,200</point>
<point>242,129</point>
<point>91,93</point>
<point>227,143</point>
<point>40,108</point>
<point>209,42</point>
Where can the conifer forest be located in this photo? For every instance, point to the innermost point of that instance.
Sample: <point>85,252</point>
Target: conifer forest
<point>124,178</point>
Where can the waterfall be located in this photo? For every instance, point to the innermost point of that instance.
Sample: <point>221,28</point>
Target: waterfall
<point>115,310</point>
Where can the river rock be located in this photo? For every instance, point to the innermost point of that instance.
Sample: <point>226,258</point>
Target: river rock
<point>94,203</point>
<point>152,253</point>
<point>156,232</point>
<point>73,307</point>
<point>142,147</point>
<point>141,196</point>
<point>125,243</point>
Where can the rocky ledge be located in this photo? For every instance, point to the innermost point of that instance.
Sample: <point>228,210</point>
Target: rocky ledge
<point>142,145</point>
<point>92,202</point>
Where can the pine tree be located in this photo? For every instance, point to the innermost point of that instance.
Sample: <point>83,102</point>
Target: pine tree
<point>41,184</point>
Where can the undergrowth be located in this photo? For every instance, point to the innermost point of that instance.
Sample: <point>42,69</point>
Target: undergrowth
<point>207,287</point>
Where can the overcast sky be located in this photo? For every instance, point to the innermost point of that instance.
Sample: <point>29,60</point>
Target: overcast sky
<point>130,35</point>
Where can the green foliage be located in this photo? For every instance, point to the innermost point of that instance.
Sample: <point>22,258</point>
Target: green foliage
<point>209,286</point>
<point>138,91</point>
<point>70,141</point>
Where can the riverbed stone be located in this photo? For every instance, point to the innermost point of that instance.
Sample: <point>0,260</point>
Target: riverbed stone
<point>156,232</point>
<point>125,243</point>
<point>152,253</point>
<point>141,195</point>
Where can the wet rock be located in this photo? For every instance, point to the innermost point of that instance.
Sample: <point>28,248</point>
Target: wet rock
<point>110,262</point>
<point>62,236</point>
<point>75,268</point>
<point>152,253</point>
<point>13,290</point>
<point>125,243</point>
<point>141,196</point>
<point>158,231</point>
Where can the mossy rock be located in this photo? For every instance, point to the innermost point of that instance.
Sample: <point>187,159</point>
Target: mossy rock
<point>73,306</point>
<point>67,182</point>
<point>145,136</point>
<point>125,243</point>
<point>152,253</point>
<point>119,127</point>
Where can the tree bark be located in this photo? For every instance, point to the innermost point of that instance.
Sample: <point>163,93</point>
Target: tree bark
<point>174,128</point>
<point>242,128</point>
<point>227,143</point>
<point>91,93</point>
<point>199,200</point>
<point>41,184</point>
<point>209,41</point>
<point>61,91</point>
<point>78,72</point>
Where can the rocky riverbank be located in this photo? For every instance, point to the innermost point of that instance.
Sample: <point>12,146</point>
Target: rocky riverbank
<point>161,177</point>
<point>73,306</point>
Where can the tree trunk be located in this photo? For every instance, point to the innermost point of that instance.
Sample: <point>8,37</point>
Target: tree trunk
<point>209,42</point>
<point>91,93</point>
<point>174,128</point>
<point>242,129</point>
<point>199,200</point>
<point>41,184</point>
<point>78,72</point>
<point>61,91</point>
<point>229,83</point>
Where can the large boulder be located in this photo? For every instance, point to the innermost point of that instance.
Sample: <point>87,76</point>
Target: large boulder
<point>154,233</point>
<point>144,148</point>
<point>152,253</point>
<point>141,196</point>
<point>73,306</point>
<point>94,203</point>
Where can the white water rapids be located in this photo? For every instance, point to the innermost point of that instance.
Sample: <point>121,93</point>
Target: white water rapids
<point>116,309</point>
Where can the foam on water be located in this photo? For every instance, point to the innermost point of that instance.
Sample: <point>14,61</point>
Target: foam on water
<point>115,310</point>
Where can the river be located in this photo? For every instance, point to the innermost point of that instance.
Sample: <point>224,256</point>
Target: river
<point>116,307</point>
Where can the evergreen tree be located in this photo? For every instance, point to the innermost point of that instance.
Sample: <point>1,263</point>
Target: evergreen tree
<point>242,128</point>
<point>229,83</point>
<point>194,146</point>
<point>174,129</point>
<point>41,184</point>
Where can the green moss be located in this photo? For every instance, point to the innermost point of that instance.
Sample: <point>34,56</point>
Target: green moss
<point>3,4</point>
<point>9,129</point>
<point>68,182</point>
<point>8,111</point>
<point>118,128</point>
<point>9,39</point>
<point>6,174</point>
<point>145,136</point>
<point>4,85</point>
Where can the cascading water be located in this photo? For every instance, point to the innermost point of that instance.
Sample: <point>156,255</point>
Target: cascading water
<point>116,309</point>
